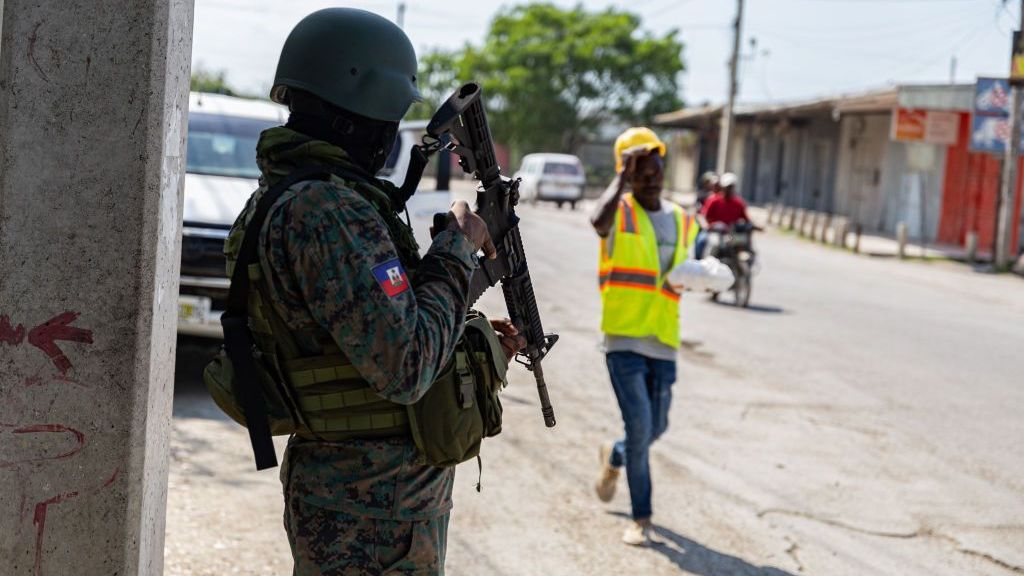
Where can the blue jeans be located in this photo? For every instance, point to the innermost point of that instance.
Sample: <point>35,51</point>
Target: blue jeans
<point>699,244</point>
<point>643,387</point>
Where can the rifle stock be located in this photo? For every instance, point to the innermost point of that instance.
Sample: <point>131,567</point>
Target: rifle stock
<point>460,124</point>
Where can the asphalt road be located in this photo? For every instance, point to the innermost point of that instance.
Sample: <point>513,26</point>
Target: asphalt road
<point>864,416</point>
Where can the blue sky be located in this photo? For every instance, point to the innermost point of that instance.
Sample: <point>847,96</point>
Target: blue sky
<point>804,48</point>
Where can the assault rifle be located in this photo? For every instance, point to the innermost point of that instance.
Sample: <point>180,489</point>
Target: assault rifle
<point>460,125</point>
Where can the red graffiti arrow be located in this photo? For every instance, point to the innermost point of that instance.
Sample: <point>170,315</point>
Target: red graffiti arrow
<point>46,335</point>
<point>12,335</point>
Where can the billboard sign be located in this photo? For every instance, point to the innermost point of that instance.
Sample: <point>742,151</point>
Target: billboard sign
<point>924,126</point>
<point>990,122</point>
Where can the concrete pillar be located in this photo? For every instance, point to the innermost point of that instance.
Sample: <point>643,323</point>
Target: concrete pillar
<point>93,104</point>
<point>972,246</point>
<point>791,218</point>
<point>901,239</point>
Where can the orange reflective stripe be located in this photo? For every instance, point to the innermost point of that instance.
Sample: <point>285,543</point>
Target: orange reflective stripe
<point>638,279</point>
<point>628,223</point>
<point>638,271</point>
<point>667,291</point>
<point>687,221</point>
<point>628,277</point>
<point>626,284</point>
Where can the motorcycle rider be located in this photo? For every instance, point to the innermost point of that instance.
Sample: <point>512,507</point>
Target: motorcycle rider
<point>708,185</point>
<point>722,210</point>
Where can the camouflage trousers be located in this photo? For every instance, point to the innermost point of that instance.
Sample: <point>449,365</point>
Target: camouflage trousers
<point>331,543</point>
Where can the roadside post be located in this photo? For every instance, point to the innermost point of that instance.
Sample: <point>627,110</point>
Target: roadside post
<point>991,125</point>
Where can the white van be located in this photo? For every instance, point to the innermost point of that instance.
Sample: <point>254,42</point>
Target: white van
<point>221,174</point>
<point>558,178</point>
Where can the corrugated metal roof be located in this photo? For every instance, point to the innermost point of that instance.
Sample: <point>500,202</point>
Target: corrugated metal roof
<point>940,97</point>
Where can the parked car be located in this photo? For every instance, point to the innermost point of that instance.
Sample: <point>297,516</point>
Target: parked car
<point>557,178</point>
<point>220,175</point>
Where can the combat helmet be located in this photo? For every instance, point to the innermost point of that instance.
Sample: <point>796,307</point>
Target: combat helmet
<point>354,59</point>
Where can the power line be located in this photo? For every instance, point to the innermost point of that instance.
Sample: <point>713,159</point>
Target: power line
<point>919,64</point>
<point>671,5</point>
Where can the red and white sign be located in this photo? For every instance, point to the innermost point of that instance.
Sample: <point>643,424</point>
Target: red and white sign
<point>927,126</point>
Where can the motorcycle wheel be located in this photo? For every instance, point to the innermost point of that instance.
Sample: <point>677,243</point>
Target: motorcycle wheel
<point>741,288</point>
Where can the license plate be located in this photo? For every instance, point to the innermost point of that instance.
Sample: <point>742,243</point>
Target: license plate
<point>193,309</point>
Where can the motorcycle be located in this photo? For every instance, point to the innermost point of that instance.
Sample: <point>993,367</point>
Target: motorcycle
<point>732,246</point>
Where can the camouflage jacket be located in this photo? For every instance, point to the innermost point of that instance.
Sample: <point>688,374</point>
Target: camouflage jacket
<point>328,260</point>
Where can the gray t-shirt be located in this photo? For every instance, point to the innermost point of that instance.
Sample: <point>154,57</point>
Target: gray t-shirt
<point>664,223</point>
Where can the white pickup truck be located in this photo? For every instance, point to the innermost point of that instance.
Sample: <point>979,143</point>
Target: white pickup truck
<point>221,174</point>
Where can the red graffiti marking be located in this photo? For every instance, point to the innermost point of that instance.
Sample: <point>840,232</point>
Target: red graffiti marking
<point>57,328</point>
<point>39,517</point>
<point>45,428</point>
<point>67,380</point>
<point>46,335</point>
<point>11,335</point>
<point>39,380</point>
<point>39,520</point>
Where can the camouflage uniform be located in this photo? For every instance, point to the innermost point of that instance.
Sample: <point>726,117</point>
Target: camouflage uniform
<point>360,506</point>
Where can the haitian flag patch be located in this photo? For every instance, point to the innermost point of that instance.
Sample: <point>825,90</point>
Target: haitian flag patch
<point>391,277</point>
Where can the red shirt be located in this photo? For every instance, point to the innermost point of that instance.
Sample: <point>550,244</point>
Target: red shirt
<point>718,208</point>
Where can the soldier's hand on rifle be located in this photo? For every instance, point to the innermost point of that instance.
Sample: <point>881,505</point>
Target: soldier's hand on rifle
<point>463,218</point>
<point>511,341</point>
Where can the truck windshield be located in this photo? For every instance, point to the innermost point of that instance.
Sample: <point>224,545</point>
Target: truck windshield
<point>224,145</point>
<point>561,168</point>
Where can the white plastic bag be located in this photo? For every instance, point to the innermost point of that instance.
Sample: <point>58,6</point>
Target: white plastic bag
<point>706,275</point>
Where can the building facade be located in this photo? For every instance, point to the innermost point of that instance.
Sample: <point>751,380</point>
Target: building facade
<point>839,156</point>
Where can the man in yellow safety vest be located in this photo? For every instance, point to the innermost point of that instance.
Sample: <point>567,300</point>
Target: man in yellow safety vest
<point>642,238</point>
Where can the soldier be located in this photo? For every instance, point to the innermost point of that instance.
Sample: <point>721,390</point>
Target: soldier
<point>642,238</point>
<point>347,310</point>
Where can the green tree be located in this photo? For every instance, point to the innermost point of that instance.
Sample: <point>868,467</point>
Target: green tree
<point>553,76</point>
<point>209,81</point>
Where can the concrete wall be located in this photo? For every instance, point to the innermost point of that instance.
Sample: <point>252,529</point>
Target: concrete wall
<point>93,100</point>
<point>792,162</point>
<point>861,169</point>
<point>913,188</point>
<point>880,183</point>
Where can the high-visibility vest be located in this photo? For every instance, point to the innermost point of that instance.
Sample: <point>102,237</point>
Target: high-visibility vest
<point>636,298</point>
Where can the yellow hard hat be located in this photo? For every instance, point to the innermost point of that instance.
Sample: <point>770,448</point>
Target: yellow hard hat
<point>638,137</point>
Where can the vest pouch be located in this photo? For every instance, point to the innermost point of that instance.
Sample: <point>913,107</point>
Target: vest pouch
<point>446,422</point>
<point>219,377</point>
<point>462,407</point>
<point>491,368</point>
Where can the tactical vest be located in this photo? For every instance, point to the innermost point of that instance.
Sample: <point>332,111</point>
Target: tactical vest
<point>324,397</point>
<point>635,296</point>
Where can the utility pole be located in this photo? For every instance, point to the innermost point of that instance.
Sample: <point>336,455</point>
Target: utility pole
<point>401,15</point>
<point>1004,233</point>
<point>725,134</point>
<point>952,70</point>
